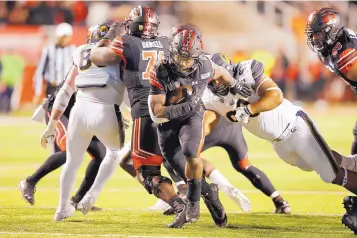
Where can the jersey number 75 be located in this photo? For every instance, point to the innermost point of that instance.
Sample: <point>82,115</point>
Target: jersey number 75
<point>152,56</point>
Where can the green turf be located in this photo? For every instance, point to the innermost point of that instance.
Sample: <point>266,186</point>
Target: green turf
<point>316,206</point>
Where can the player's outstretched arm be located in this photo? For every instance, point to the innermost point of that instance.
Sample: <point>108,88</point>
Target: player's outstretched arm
<point>60,105</point>
<point>270,96</point>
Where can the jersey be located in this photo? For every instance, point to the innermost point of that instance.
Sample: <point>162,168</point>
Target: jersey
<point>165,80</point>
<point>340,58</point>
<point>92,76</point>
<point>137,57</point>
<point>266,125</point>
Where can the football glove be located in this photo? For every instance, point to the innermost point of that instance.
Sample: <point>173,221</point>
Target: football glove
<point>49,135</point>
<point>241,88</point>
<point>243,114</point>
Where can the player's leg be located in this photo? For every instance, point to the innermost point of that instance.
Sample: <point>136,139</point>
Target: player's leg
<point>126,162</point>
<point>54,161</point>
<point>147,161</point>
<point>78,139</point>
<point>191,136</point>
<point>235,145</point>
<point>109,129</point>
<point>97,151</point>
<point>354,143</point>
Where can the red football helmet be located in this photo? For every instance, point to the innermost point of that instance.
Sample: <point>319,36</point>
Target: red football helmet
<point>142,22</point>
<point>323,29</point>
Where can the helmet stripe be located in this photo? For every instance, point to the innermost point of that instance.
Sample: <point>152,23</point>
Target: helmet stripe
<point>192,35</point>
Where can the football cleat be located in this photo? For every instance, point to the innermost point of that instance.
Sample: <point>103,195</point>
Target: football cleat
<point>63,214</point>
<point>193,211</point>
<point>28,191</point>
<point>215,206</point>
<point>86,204</point>
<point>349,219</point>
<point>237,196</point>
<point>169,211</point>
<point>180,218</point>
<point>93,209</point>
<point>282,207</point>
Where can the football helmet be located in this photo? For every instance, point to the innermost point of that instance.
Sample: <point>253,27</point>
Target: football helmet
<point>184,26</point>
<point>97,32</point>
<point>142,22</point>
<point>185,51</point>
<point>323,28</point>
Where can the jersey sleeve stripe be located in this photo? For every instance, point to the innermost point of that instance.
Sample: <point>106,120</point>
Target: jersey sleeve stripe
<point>347,59</point>
<point>156,84</point>
<point>345,69</point>
<point>348,52</point>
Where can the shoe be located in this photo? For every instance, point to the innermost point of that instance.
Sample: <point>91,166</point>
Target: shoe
<point>93,209</point>
<point>237,196</point>
<point>86,204</point>
<point>349,219</point>
<point>282,207</point>
<point>180,218</point>
<point>215,206</point>
<point>28,191</point>
<point>193,211</point>
<point>61,215</point>
<point>159,206</point>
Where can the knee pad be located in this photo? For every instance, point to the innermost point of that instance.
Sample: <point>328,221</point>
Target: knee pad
<point>190,150</point>
<point>242,165</point>
<point>148,173</point>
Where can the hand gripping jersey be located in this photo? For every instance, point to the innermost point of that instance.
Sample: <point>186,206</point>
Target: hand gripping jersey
<point>342,56</point>
<point>138,56</point>
<point>92,76</point>
<point>164,80</point>
<point>267,125</point>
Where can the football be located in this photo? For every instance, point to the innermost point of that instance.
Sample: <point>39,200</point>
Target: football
<point>179,95</point>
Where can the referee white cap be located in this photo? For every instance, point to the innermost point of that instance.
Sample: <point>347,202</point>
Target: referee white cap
<point>64,29</point>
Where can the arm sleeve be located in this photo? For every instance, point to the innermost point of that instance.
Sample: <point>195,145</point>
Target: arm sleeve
<point>40,71</point>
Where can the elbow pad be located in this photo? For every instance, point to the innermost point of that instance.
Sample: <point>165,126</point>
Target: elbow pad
<point>179,110</point>
<point>63,97</point>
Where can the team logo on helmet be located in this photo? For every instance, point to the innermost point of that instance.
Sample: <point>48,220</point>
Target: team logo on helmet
<point>335,49</point>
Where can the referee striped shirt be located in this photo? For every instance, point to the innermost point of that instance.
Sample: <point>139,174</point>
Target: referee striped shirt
<point>53,66</point>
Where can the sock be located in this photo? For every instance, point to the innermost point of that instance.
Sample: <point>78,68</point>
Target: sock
<point>91,173</point>
<point>218,178</point>
<point>53,162</point>
<point>205,188</point>
<point>259,180</point>
<point>354,147</point>
<point>109,165</point>
<point>194,190</point>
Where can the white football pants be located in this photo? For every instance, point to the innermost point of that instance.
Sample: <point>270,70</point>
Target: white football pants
<point>88,119</point>
<point>302,147</point>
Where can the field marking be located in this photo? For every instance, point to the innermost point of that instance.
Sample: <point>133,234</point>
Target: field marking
<point>139,189</point>
<point>81,235</point>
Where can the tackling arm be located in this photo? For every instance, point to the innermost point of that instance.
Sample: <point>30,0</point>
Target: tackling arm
<point>270,96</point>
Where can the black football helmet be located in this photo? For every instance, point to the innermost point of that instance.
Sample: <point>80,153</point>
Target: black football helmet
<point>142,22</point>
<point>323,28</point>
<point>185,51</point>
<point>97,32</point>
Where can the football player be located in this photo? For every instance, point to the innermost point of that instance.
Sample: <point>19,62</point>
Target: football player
<point>96,149</point>
<point>177,84</point>
<point>268,115</point>
<point>336,45</point>
<point>95,113</point>
<point>137,50</point>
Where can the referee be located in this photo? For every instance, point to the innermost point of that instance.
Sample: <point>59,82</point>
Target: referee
<point>56,61</point>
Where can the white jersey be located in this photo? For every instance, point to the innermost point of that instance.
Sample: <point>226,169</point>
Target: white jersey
<point>266,125</point>
<point>93,80</point>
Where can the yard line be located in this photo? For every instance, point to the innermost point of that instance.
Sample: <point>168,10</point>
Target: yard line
<point>81,235</point>
<point>139,189</point>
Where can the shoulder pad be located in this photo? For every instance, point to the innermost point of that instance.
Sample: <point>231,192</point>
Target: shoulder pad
<point>244,71</point>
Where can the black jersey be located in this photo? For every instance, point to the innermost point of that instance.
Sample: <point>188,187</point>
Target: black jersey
<point>137,57</point>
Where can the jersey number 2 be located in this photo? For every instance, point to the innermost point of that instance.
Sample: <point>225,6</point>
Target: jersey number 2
<point>152,56</point>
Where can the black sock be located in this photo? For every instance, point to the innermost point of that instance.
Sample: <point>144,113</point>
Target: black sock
<point>205,189</point>
<point>354,147</point>
<point>259,180</point>
<point>53,162</point>
<point>88,180</point>
<point>194,190</point>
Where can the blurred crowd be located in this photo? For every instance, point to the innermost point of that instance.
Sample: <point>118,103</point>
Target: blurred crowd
<point>298,78</point>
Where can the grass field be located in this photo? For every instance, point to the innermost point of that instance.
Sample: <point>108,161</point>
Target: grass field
<point>316,206</point>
